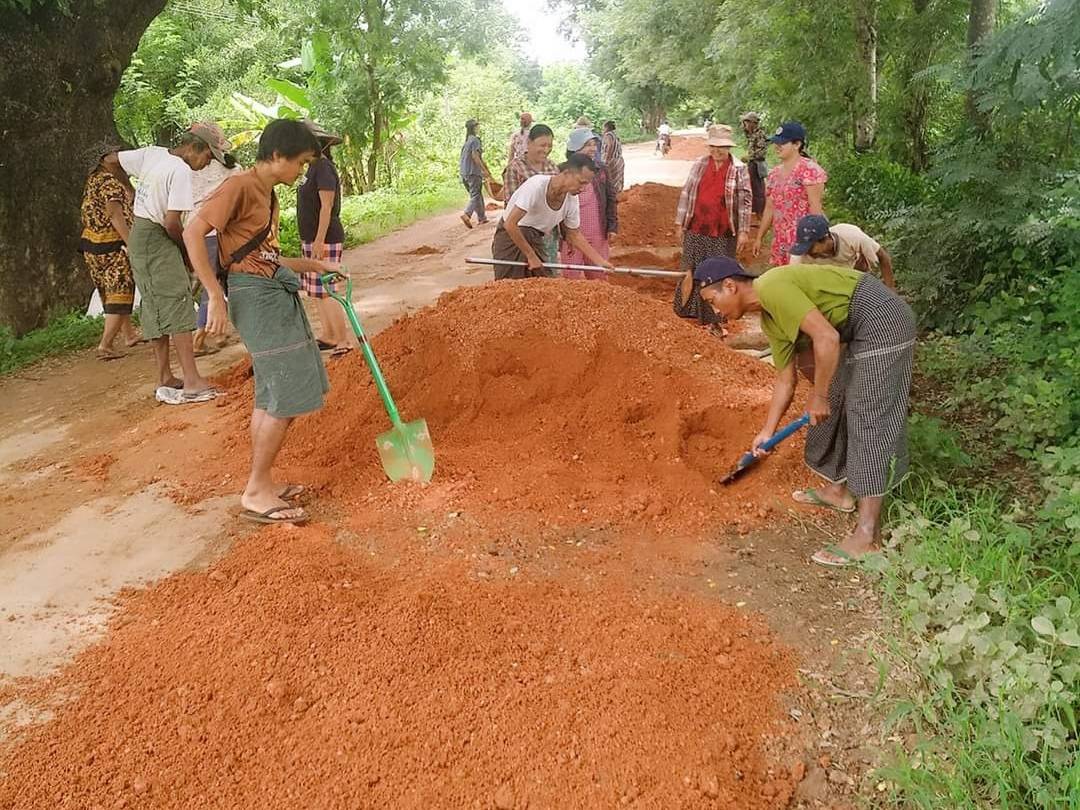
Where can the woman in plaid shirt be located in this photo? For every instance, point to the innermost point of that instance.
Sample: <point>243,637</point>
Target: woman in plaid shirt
<point>713,217</point>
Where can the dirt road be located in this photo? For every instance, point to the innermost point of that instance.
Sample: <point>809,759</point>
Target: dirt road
<point>617,642</point>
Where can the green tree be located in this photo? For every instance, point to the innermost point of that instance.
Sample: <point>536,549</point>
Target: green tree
<point>60,64</point>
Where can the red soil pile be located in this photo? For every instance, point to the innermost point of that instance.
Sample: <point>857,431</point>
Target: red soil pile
<point>685,147</point>
<point>297,674</point>
<point>662,289</point>
<point>647,215</point>
<point>562,402</point>
<point>423,250</point>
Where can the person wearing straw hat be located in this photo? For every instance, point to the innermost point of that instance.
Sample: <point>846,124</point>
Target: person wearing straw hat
<point>757,147</point>
<point>164,195</point>
<point>322,237</point>
<point>712,217</point>
<point>863,337</point>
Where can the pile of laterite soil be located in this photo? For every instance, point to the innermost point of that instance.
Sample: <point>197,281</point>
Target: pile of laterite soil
<point>297,674</point>
<point>660,288</point>
<point>566,403</point>
<point>687,148</point>
<point>647,215</point>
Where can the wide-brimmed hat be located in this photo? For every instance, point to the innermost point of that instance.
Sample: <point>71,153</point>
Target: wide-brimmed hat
<point>787,132</point>
<point>578,138</point>
<point>750,116</point>
<point>325,138</point>
<point>212,136</point>
<point>720,135</point>
<point>90,157</point>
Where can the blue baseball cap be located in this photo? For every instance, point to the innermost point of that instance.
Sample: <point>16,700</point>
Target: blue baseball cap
<point>787,132</point>
<point>809,229</point>
<point>716,269</point>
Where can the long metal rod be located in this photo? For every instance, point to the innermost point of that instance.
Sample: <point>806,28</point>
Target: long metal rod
<point>633,271</point>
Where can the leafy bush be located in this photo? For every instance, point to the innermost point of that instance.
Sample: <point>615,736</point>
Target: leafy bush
<point>366,217</point>
<point>989,594</point>
<point>871,190</point>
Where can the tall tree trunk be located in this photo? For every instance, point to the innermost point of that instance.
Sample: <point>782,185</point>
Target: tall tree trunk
<point>58,75</point>
<point>866,36</point>
<point>981,20</point>
<point>377,126</point>
<point>916,109</point>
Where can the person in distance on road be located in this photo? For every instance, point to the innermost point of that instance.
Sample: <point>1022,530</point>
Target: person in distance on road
<point>473,171</point>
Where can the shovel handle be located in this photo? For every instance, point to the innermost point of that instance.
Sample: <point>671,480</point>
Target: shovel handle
<point>328,280</point>
<point>771,442</point>
<point>631,271</point>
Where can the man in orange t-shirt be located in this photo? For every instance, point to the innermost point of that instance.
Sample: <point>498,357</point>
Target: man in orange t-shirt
<point>290,379</point>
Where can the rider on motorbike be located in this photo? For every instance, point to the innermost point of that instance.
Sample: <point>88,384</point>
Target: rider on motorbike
<point>663,137</point>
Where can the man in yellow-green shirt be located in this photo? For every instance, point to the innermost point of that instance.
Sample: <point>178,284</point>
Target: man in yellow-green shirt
<point>863,337</point>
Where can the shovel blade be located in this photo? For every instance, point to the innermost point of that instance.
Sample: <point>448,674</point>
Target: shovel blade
<point>406,452</point>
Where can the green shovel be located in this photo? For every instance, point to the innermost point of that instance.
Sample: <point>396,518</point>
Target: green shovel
<point>405,450</point>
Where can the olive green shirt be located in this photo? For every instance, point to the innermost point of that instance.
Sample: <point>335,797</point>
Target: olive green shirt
<point>788,293</point>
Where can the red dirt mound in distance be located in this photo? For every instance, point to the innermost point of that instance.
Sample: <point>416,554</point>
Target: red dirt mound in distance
<point>687,147</point>
<point>296,674</point>
<point>647,215</point>
<point>570,402</point>
<point>423,250</point>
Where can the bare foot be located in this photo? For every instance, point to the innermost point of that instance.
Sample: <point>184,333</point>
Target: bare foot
<point>171,381</point>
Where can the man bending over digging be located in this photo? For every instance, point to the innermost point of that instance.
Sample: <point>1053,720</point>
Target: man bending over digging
<point>290,379</point>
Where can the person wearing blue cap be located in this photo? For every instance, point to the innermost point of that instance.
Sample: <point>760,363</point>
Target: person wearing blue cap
<point>863,337</point>
<point>793,189</point>
<point>843,245</point>
<point>598,206</point>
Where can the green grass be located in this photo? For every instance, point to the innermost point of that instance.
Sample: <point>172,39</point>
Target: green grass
<point>367,217</point>
<point>985,582</point>
<point>64,334</point>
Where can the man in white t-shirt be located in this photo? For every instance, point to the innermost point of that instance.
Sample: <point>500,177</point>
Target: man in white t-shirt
<point>163,196</point>
<point>541,204</point>
<point>842,245</point>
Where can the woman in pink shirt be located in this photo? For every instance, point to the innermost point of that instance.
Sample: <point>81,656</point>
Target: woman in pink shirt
<point>793,189</point>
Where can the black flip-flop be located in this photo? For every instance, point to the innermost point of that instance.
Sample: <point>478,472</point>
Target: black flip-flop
<point>324,346</point>
<point>292,491</point>
<point>268,516</point>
